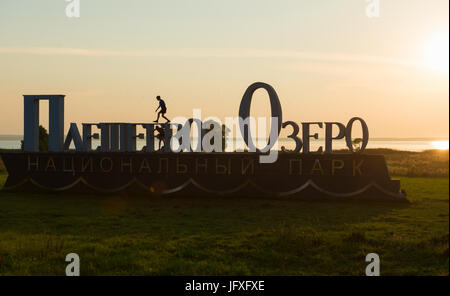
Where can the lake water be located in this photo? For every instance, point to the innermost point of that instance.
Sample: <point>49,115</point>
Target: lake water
<point>13,142</point>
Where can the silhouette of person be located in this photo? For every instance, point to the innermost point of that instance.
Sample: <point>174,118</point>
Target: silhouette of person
<point>163,110</point>
<point>160,136</point>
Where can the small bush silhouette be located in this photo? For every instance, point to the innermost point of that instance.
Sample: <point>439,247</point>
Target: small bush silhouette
<point>43,139</point>
<point>357,144</point>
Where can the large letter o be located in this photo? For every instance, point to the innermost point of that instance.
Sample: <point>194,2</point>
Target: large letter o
<point>244,112</point>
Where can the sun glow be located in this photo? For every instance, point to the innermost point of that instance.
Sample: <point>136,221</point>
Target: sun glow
<point>437,51</point>
<point>441,145</point>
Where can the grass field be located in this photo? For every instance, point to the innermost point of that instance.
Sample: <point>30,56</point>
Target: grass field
<point>123,235</point>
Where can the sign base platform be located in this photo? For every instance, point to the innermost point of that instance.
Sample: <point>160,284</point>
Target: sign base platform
<point>297,176</point>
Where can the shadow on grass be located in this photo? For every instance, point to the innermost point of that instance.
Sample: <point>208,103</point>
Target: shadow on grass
<point>123,213</point>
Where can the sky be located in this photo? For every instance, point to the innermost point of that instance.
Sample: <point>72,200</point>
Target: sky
<point>327,60</point>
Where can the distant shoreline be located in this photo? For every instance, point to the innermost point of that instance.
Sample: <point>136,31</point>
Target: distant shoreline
<point>20,137</point>
<point>337,151</point>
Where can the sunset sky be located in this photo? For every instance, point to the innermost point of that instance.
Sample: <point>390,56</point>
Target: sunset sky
<point>326,59</point>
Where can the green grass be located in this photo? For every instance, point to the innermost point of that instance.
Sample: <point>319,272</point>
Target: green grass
<point>124,235</point>
<point>429,163</point>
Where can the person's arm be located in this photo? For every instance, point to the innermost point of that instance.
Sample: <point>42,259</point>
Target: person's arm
<point>157,108</point>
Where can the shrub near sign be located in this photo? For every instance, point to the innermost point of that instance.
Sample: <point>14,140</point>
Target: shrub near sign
<point>116,165</point>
